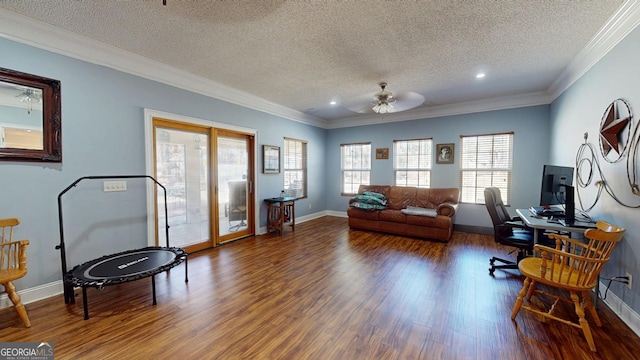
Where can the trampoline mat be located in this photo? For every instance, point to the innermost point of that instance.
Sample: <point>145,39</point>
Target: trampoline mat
<point>126,266</point>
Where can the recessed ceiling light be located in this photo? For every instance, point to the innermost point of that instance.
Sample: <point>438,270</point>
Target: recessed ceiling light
<point>333,102</point>
<point>480,75</point>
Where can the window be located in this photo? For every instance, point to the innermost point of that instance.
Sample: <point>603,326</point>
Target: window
<point>295,167</point>
<point>412,162</point>
<point>356,166</point>
<point>486,162</point>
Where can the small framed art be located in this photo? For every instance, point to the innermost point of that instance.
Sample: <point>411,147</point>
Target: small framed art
<point>270,159</point>
<point>382,153</point>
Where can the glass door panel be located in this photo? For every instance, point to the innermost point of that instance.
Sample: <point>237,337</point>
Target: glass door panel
<point>182,167</point>
<point>235,185</point>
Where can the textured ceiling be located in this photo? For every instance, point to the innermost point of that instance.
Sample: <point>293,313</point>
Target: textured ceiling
<point>303,54</point>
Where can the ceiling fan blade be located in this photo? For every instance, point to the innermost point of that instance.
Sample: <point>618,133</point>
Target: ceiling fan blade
<point>406,100</point>
<point>360,104</point>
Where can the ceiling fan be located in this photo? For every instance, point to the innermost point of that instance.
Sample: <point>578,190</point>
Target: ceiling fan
<point>384,101</point>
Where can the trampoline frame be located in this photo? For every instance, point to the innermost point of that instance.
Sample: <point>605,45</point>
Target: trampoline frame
<point>69,280</point>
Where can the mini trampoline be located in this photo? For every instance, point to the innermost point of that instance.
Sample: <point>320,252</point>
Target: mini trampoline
<point>120,267</point>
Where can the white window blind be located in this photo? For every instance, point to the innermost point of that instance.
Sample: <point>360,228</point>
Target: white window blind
<point>485,162</point>
<point>412,162</point>
<point>295,167</point>
<point>356,166</point>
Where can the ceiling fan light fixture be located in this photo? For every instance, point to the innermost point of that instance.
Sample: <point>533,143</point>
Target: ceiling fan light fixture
<point>382,107</point>
<point>383,100</point>
<point>30,97</point>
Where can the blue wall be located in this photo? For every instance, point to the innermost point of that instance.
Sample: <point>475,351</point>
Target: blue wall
<point>579,110</point>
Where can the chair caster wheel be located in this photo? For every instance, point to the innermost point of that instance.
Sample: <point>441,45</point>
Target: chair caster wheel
<point>491,270</point>
<point>491,262</point>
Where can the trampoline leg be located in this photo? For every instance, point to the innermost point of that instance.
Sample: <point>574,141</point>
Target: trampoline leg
<point>84,303</point>
<point>69,297</point>
<point>186,268</point>
<point>153,287</point>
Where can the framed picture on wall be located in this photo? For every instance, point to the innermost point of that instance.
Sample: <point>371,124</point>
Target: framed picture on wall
<point>444,153</point>
<point>382,153</point>
<point>270,159</point>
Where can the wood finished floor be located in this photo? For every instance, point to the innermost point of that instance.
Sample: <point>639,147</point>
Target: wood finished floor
<point>323,292</point>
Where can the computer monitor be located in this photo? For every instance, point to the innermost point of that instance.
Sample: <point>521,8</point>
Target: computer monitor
<point>554,181</point>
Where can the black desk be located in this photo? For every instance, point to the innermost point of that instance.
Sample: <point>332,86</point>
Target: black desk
<point>279,211</point>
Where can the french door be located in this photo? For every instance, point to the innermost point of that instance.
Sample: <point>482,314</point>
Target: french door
<point>189,169</point>
<point>234,168</point>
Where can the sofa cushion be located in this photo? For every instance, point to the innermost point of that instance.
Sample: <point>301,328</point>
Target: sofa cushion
<point>392,215</point>
<point>358,213</point>
<point>443,222</point>
<point>400,197</point>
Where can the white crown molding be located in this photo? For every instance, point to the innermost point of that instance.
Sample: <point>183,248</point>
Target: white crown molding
<point>469,107</point>
<point>617,28</point>
<point>35,33</point>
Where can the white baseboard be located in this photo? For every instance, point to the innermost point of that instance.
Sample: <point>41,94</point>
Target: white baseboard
<point>299,220</point>
<point>342,214</point>
<point>624,312</point>
<point>34,294</point>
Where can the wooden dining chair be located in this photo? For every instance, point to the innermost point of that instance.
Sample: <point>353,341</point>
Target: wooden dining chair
<point>13,264</point>
<point>572,266</point>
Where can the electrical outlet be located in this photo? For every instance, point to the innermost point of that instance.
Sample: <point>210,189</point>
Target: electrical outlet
<point>114,186</point>
<point>629,281</point>
<point>309,206</point>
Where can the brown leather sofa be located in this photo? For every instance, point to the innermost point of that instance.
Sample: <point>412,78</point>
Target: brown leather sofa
<point>393,220</point>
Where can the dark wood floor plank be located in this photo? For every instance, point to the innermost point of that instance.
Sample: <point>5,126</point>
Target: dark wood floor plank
<point>322,292</point>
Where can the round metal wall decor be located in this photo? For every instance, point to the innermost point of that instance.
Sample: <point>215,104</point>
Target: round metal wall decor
<point>614,130</point>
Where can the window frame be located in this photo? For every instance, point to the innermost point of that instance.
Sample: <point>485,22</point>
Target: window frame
<point>361,170</point>
<point>289,166</point>
<point>494,166</point>
<point>427,157</point>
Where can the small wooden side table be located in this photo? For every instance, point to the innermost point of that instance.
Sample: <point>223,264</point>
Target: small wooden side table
<point>280,210</point>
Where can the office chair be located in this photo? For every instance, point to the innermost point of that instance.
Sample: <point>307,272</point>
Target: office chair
<point>13,264</point>
<point>506,230</point>
<point>237,204</point>
<point>573,266</point>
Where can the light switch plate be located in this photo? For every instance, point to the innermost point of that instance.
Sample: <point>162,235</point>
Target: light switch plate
<point>115,186</point>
